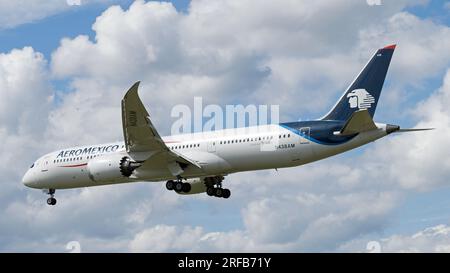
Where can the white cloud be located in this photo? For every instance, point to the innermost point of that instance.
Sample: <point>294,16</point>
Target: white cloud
<point>26,99</point>
<point>15,13</point>
<point>252,55</point>
<point>291,222</point>
<point>164,238</point>
<point>26,92</point>
<point>420,160</point>
<point>431,239</point>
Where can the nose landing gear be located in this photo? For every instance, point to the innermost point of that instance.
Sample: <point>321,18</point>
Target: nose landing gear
<point>51,201</point>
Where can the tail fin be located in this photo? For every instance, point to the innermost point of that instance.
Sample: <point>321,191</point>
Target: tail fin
<point>365,90</point>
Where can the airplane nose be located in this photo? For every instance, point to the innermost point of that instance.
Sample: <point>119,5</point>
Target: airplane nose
<point>27,181</point>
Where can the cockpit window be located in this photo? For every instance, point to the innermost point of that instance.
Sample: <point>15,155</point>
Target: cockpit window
<point>32,166</point>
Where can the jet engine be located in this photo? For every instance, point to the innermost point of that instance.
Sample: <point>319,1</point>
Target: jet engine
<point>111,168</point>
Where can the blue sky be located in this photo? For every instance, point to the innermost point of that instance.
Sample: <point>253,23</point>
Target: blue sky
<point>45,34</point>
<point>194,65</point>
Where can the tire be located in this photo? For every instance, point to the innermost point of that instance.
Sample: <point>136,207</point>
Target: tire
<point>170,185</point>
<point>219,192</point>
<point>53,201</point>
<point>186,187</point>
<point>49,201</point>
<point>226,193</point>
<point>210,191</point>
<point>178,187</point>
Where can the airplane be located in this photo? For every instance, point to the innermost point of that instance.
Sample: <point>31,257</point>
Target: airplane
<point>198,162</point>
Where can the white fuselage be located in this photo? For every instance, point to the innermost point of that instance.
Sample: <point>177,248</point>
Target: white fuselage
<point>218,153</point>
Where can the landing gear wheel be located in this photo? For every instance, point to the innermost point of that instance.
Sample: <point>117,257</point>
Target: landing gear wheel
<point>186,187</point>
<point>170,185</point>
<point>51,201</point>
<point>219,192</point>
<point>210,191</point>
<point>226,193</point>
<point>178,186</point>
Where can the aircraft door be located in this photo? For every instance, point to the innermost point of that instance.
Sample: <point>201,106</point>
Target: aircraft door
<point>43,164</point>
<point>212,146</point>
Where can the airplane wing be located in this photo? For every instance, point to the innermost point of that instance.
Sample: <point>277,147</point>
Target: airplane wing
<point>139,132</point>
<point>141,137</point>
<point>360,121</point>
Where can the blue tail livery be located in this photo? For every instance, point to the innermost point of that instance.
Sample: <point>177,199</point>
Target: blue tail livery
<point>365,90</point>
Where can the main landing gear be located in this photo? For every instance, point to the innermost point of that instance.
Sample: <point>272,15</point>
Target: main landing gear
<point>51,201</point>
<point>214,187</point>
<point>178,186</point>
<point>218,191</point>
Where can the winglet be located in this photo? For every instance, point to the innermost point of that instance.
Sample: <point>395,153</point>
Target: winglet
<point>133,88</point>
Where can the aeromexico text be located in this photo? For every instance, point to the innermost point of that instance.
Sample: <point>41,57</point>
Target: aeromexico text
<point>88,151</point>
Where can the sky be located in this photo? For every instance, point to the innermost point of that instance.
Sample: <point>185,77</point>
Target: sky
<point>64,69</point>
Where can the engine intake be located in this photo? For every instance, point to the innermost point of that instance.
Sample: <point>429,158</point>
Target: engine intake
<point>111,168</point>
<point>127,166</point>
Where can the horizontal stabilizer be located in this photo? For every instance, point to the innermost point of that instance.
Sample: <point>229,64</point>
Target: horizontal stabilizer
<point>360,121</point>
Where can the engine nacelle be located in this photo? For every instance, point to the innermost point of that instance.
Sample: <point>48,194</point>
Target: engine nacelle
<point>111,168</point>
